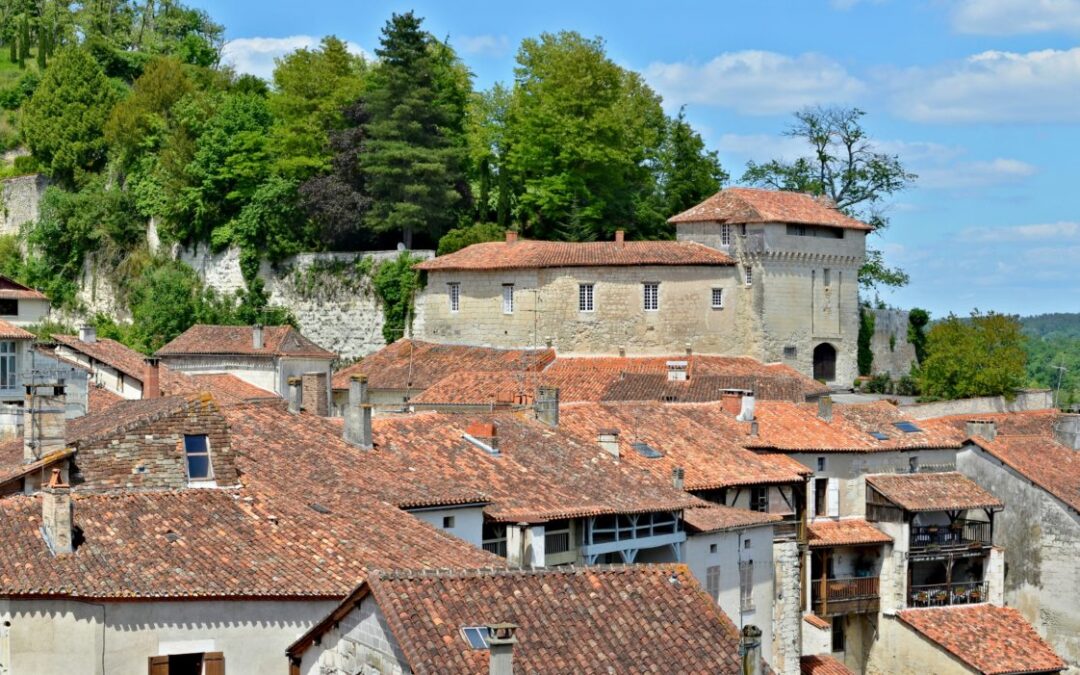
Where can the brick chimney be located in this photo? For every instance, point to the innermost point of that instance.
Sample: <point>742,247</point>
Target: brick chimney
<point>151,384</point>
<point>501,640</point>
<point>824,408</point>
<point>731,400</point>
<point>1067,431</point>
<point>87,334</point>
<point>609,441</point>
<point>678,478</point>
<point>257,336</point>
<point>357,430</point>
<point>44,421</point>
<point>56,514</point>
<point>985,429</point>
<point>296,396</point>
<point>511,237</point>
<point>315,396</point>
<point>750,648</point>
<point>484,433</point>
<point>620,238</point>
<point>547,406</point>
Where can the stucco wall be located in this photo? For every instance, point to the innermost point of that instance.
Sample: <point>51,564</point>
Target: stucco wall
<point>468,522</point>
<point>361,644</point>
<point>893,354</point>
<point>1041,540</point>
<point>58,637</point>
<point>899,650</point>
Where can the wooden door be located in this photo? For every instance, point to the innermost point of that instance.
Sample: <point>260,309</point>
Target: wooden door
<point>159,665</point>
<point>213,663</point>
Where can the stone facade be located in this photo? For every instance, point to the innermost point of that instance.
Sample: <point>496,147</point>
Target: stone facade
<point>893,354</point>
<point>360,644</point>
<point>20,198</point>
<point>787,621</point>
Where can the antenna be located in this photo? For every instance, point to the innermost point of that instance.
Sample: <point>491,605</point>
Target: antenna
<point>1057,392</point>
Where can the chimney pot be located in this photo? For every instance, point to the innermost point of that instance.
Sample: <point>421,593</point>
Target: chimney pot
<point>56,514</point>
<point>689,349</point>
<point>87,334</point>
<point>754,428</point>
<point>151,385</point>
<point>357,429</point>
<point>622,352</point>
<point>257,336</point>
<point>511,237</point>
<point>609,441</point>
<point>824,408</point>
<point>620,237</point>
<point>501,641</point>
<point>985,429</point>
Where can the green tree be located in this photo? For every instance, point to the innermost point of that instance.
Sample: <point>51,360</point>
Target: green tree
<point>488,145</point>
<point>396,282</point>
<point>846,167</point>
<point>980,356</point>
<point>583,134</point>
<point>865,353</point>
<point>687,173</point>
<point>63,121</point>
<point>460,237</point>
<point>414,160</point>
<point>311,89</point>
<point>139,123</point>
<point>917,321</point>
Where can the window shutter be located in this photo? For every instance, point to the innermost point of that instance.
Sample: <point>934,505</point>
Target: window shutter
<point>834,497</point>
<point>811,500</point>
<point>159,665</point>
<point>213,663</point>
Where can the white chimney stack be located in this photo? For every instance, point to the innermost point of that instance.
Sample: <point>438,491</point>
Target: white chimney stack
<point>746,413</point>
<point>257,336</point>
<point>609,441</point>
<point>87,334</point>
<point>44,426</point>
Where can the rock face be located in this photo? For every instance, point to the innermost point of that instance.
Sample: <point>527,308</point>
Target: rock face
<point>20,198</point>
<point>893,354</point>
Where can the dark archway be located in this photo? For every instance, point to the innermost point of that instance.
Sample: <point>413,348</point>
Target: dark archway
<point>825,362</point>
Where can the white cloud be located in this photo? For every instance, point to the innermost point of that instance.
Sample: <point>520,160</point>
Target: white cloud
<point>1062,231</point>
<point>755,82</point>
<point>255,56</point>
<point>762,147</point>
<point>976,174</point>
<point>483,45</point>
<point>1012,17</point>
<point>993,86</point>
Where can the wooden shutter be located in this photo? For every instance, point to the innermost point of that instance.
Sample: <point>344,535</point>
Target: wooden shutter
<point>159,665</point>
<point>834,497</point>
<point>213,663</point>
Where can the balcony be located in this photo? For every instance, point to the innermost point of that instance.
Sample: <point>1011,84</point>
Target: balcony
<point>845,595</point>
<point>961,535</point>
<point>942,595</point>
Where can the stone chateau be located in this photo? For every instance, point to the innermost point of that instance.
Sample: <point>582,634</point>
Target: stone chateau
<point>759,273</point>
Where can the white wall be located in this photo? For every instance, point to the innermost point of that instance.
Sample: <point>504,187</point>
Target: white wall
<point>361,643</point>
<point>468,522</point>
<point>900,650</point>
<point>64,637</point>
<point>261,372</point>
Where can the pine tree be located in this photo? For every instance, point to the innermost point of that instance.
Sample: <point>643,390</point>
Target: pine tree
<point>415,152</point>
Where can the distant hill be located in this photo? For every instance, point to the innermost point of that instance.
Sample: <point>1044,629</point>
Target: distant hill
<point>1066,324</point>
<point>1054,340</point>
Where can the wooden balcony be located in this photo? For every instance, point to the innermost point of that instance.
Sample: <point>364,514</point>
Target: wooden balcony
<point>961,535</point>
<point>849,595</point>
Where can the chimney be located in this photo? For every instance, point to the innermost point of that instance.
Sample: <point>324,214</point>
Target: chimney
<point>44,421</point>
<point>547,406</point>
<point>824,408</point>
<point>678,476</point>
<point>357,429</point>
<point>731,400</point>
<point>750,648</point>
<point>56,514</point>
<point>314,393</point>
<point>609,441</point>
<point>511,237</point>
<point>746,409</point>
<point>257,336</point>
<point>87,334</point>
<point>1067,431</point>
<point>689,349</point>
<point>985,429</point>
<point>501,643</point>
<point>620,238</point>
<point>485,434</point>
<point>151,384</point>
<point>754,428</point>
<point>295,395</point>
<point>678,371</point>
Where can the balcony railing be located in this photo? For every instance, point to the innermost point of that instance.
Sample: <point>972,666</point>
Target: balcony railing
<point>962,533</point>
<point>940,595</point>
<point>556,542</point>
<point>851,588</point>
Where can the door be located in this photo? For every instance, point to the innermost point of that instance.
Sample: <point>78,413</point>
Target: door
<point>210,663</point>
<point>825,362</point>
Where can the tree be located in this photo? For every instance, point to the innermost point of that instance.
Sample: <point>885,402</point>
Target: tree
<point>847,168</point>
<point>63,121</point>
<point>917,320</point>
<point>980,356</point>
<point>583,134</point>
<point>687,172</point>
<point>414,160</point>
<point>488,145</point>
<point>460,237</point>
<point>138,124</point>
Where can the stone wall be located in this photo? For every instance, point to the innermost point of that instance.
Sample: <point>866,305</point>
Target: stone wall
<point>1026,399</point>
<point>893,354</point>
<point>787,614</point>
<point>360,643</point>
<point>19,199</point>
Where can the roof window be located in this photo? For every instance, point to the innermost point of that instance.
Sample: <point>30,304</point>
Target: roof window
<point>907,427</point>
<point>879,435</point>
<point>646,450</point>
<point>476,636</point>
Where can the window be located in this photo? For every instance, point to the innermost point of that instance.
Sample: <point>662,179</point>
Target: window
<point>508,298</point>
<point>838,634</point>
<point>748,273</point>
<point>746,585</point>
<point>821,496</point>
<point>197,452</point>
<point>725,235</point>
<point>712,548</point>
<point>7,365</point>
<point>820,463</point>
<point>717,298</point>
<point>746,543</point>
<point>9,307</point>
<point>476,636</point>
<point>913,464</point>
<point>791,352</point>
<point>759,499</point>
<point>585,298</point>
<point>826,277</point>
<point>448,522</point>
<point>453,291</point>
<point>712,581</point>
<point>907,427</point>
<point>494,538</point>
<point>651,296</point>
<point>207,663</point>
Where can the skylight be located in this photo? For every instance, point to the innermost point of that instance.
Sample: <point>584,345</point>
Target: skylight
<point>476,636</point>
<point>907,427</point>
<point>646,450</point>
<point>878,435</point>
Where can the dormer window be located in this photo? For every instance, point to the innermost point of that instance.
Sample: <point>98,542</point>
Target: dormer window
<point>197,455</point>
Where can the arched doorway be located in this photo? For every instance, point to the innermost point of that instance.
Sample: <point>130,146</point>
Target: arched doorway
<point>825,362</point>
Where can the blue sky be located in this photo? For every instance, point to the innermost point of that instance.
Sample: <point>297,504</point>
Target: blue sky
<point>981,98</point>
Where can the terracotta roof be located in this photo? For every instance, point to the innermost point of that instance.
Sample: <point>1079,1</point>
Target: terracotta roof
<point>571,620</point>
<point>991,640</point>
<point>530,254</point>
<point>12,466</point>
<point>849,532</point>
<point>702,438</point>
<point>415,364</point>
<point>277,341</point>
<point>717,518</point>
<point>100,399</point>
<point>823,664</point>
<point>11,289</point>
<point>228,388</point>
<point>107,351</point>
<point>816,621</point>
<point>948,491</point>
<point>751,205</point>
<point>10,331</point>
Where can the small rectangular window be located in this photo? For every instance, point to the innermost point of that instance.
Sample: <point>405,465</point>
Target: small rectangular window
<point>746,543</point>
<point>820,463</point>
<point>9,307</point>
<point>448,522</point>
<point>746,585</point>
<point>585,298</point>
<point>826,277</point>
<point>725,235</point>
<point>508,298</point>
<point>453,290</point>
<point>791,351</point>
<point>838,641</point>
<point>712,548</point>
<point>197,452</point>
<point>476,636</point>
<point>717,298</point>
<point>748,274</point>
<point>651,296</point>
<point>8,367</point>
<point>759,499</point>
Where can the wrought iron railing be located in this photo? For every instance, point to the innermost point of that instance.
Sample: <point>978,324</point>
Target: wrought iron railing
<point>939,595</point>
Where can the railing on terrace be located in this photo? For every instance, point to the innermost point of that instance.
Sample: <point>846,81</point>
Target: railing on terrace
<point>843,589</point>
<point>940,595</point>
<point>556,542</point>
<point>961,533</point>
